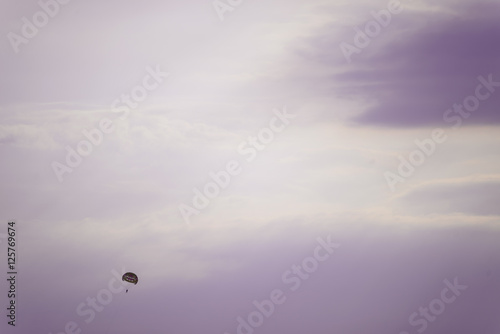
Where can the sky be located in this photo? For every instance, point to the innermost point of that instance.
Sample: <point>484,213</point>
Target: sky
<point>264,167</point>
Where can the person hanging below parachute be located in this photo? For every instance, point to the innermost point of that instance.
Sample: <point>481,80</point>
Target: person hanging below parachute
<point>130,278</point>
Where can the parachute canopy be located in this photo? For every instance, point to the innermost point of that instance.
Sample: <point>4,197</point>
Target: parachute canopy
<point>130,277</point>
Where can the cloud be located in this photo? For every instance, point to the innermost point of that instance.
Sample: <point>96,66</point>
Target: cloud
<point>415,78</point>
<point>466,196</point>
<point>120,207</point>
<point>422,63</point>
<point>377,272</point>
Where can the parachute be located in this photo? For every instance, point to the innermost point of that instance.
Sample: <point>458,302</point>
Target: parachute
<point>130,278</point>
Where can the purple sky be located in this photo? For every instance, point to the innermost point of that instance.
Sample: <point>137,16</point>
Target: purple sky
<point>324,172</point>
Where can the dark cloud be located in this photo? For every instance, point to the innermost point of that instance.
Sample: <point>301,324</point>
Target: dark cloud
<point>425,71</point>
<point>417,67</point>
